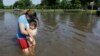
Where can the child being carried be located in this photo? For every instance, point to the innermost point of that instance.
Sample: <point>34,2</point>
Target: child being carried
<point>33,32</point>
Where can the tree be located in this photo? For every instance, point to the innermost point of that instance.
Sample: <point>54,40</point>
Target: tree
<point>26,3</point>
<point>98,3</point>
<point>76,4</point>
<point>63,4</point>
<point>18,4</point>
<point>43,4</point>
<point>1,4</point>
<point>50,3</point>
<point>39,6</point>
<point>85,3</point>
<point>23,4</point>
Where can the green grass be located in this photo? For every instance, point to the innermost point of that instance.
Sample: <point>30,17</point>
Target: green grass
<point>91,11</point>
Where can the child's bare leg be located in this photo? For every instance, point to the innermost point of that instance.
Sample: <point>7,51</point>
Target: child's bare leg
<point>33,46</point>
<point>30,50</point>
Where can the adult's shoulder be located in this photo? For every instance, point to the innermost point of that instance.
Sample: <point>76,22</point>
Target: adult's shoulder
<point>21,18</point>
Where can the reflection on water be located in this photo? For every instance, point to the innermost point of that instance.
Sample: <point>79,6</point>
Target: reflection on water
<point>59,34</point>
<point>52,19</point>
<point>96,29</point>
<point>67,35</point>
<point>8,45</point>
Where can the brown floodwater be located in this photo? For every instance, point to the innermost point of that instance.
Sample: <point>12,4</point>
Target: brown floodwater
<point>59,34</point>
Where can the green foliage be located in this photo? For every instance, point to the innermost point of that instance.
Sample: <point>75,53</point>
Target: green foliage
<point>50,4</point>
<point>85,3</point>
<point>65,4</point>
<point>1,4</point>
<point>76,4</point>
<point>98,3</point>
<point>22,4</point>
<point>18,4</point>
<point>38,6</point>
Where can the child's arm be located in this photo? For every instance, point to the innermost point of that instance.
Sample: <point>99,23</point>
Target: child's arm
<point>28,30</point>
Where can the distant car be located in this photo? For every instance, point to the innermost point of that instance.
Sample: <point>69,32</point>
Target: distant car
<point>99,8</point>
<point>98,12</point>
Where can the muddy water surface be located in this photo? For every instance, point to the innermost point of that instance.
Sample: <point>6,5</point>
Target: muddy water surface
<point>59,34</point>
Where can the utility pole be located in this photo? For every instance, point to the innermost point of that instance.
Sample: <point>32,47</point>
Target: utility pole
<point>92,4</point>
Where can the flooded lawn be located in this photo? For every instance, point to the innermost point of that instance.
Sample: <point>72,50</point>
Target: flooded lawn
<point>59,34</point>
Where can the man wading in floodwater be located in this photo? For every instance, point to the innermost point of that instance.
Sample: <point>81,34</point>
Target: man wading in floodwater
<point>24,30</point>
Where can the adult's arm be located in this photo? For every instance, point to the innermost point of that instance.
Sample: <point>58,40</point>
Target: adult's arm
<point>22,29</point>
<point>21,21</point>
<point>29,31</point>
